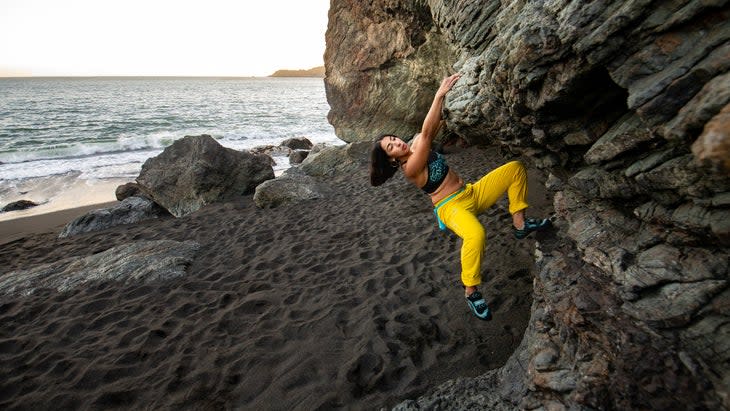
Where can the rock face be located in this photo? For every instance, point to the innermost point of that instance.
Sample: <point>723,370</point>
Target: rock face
<point>384,60</point>
<point>140,262</point>
<point>196,170</point>
<point>626,105</point>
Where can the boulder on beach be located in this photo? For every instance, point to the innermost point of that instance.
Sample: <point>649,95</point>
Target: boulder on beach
<point>197,170</point>
<point>309,181</point>
<point>131,210</point>
<point>330,161</point>
<point>297,149</point>
<point>297,143</point>
<point>271,151</point>
<point>140,262</point>
<point>128,190</point>
<point>291,187</point>
<point>298,156</point>
<point>19,205</point>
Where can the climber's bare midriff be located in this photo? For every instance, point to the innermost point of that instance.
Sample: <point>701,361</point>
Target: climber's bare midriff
<point>451,184</point>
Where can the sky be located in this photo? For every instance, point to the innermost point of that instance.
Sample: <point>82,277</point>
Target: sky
<point>160,37</point>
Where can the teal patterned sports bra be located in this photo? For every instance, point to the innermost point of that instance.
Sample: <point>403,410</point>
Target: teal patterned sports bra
<point>437,171</point>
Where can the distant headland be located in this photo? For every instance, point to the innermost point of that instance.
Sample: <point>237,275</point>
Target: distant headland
<point>313,72</point>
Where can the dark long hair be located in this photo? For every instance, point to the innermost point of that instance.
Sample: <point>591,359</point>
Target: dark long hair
<point>382,167</point>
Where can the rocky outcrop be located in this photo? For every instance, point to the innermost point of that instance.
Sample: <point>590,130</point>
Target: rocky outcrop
<point>313,72</point>
<point>129,211</point>
<point>383,61</point>
<point>139,262</point>
<point>626,105</point>
<point>461,394</point>
<point>197,170</point>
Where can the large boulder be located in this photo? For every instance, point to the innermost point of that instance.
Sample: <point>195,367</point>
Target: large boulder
<point>291,187</point>
<point>197,170</point>
<point>333,160</point>
<point>129,211</point>
<point>309,180</point>
<point>383,62</point>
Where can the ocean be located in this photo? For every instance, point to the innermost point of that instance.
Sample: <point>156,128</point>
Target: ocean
<point>61,135</point>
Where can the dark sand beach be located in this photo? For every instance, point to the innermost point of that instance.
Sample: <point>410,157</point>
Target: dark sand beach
<point>53,222</point>
<point>351,302</point>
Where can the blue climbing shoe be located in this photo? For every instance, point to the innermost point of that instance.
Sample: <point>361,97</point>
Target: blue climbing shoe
<point>478,306</point>
<point>531,225</point>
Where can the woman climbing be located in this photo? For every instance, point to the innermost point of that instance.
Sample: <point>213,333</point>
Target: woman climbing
<point>456,204</point>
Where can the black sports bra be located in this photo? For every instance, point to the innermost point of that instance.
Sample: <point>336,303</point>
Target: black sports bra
<point>437,172</point>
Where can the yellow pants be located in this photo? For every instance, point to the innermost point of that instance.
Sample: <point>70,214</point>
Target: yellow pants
<point>459,213</point>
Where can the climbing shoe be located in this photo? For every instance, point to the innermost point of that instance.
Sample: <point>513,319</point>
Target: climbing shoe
<point>478,306</point>
<point>531,225</point>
